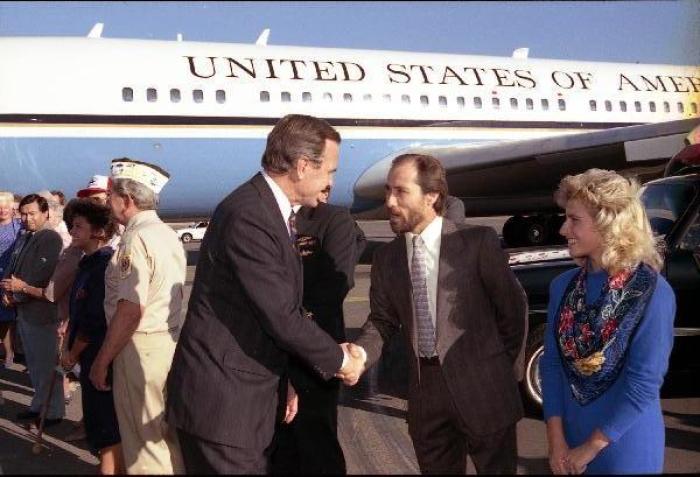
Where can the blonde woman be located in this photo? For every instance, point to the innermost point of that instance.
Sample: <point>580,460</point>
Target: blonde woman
<point>609,334</point>
<point>9,231</point>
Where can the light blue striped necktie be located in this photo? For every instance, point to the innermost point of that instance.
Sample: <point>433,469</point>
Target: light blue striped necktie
<point>426,329</point>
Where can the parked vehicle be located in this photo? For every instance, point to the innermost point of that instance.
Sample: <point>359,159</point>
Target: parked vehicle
<point>194,231</point>
<point>673,207</point>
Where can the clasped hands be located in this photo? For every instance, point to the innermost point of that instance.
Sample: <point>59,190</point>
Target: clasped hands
<point>12,284</point>
<point>355,365</point>
<point>565,461</point>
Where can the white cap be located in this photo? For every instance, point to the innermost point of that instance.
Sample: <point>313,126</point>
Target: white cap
<point>96,185</point>
<point>144,173</point>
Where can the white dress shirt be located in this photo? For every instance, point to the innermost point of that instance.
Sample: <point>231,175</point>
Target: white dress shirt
<point>432,238</point>
<point>282,200</point>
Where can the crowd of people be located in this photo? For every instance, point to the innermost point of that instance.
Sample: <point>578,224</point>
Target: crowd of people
<point>247,381</point>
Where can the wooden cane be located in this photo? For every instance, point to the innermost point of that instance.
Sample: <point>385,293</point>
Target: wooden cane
<point>58,370</point>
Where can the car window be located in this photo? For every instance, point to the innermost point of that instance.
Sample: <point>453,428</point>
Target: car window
<point>691,239</point>
<point>664,203</point>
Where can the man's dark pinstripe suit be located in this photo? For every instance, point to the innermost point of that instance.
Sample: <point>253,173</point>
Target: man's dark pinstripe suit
<point>243,321</point>
<point>469,401</point>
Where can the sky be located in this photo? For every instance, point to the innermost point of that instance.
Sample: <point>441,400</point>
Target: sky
<point>624,31</point>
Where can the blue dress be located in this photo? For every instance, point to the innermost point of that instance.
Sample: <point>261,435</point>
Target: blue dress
<point>629,412</point>
<point>8,237</point>
<point>87,320</point>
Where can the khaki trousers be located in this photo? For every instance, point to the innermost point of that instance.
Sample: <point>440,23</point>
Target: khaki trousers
<point>140,372</point>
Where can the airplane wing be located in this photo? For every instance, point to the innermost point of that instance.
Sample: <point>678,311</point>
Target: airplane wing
<point>513,177</point>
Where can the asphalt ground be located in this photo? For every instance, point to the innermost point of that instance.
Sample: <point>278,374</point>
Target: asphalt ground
<point>372,414</point>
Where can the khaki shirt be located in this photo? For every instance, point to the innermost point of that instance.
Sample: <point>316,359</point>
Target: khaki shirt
<point>148,269</point>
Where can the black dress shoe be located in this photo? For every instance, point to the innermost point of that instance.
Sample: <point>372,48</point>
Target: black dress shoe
<point>27,415</point>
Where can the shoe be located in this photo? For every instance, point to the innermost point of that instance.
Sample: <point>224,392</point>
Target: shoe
<point>78,434</point>
<point>27,415</point>
<point>48,422</point>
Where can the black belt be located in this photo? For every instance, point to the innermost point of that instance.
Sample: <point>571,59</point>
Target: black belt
<point>432,361</point>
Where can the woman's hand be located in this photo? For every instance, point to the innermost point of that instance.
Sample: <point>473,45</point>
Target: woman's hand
<point>559,458</point>
<point>68,361</point>
<point>581,456</point>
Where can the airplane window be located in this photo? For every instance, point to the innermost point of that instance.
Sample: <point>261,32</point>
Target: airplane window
<point>694,108</point>
<point>608,106</point>
<point>637,106</point>
<point>220,96</point>
<point>496,103</point>
<point>406,99</point>
<point>460,101</point>
<point>327,97</point>
<point>198,95</point>
<point>562,104</point>
<point>264,96</point>
<point>151,95</point>
<point>477,102</point>
<point>367,97</point>
<point>386,98</point>
<point>545,104</point>
<point>623,106</point>
<point>127,94</point>
<point>513,103</point>
<point>424,100</point>
<point>593,105</point>
<point>286,97</point>
<point>174,95</point>
<point>667,107</point>
<point>529,104</point>
<point>306,97</point>
<point>442,100</point>
<point>652,106</point>
<point>680,107</point>
<point>347,97</point>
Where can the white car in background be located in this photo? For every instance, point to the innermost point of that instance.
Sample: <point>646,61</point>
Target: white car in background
<point>193,232</point>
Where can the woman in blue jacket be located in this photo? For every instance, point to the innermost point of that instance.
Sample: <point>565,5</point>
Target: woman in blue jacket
<point>609,334</point>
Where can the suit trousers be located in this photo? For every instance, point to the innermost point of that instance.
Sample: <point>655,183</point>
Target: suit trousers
<point>442,441</point>
<point>40,342</point>
<point>149,445</point>
<point>203,457</point>
<point>309,444</point>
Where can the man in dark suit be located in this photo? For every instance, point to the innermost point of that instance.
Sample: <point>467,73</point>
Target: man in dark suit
<point>461,312</point>
<point>330,243</point>
<point>244,317</point>
<point>31,266</point>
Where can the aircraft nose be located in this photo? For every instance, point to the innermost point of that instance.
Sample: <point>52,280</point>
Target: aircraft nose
<point>370,184</point>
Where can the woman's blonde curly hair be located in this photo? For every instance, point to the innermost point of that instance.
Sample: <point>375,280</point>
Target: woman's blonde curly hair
<point>618,214</point>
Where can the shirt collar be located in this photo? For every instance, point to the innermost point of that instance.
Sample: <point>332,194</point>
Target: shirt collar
<point>141,217</point>
<point>430,235</point>
<point>280,197</point>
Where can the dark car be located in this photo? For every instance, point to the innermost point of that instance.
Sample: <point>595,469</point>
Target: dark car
<point>672,205</point>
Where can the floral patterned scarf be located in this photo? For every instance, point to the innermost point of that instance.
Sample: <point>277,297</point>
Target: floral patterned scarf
<point>593,339</point>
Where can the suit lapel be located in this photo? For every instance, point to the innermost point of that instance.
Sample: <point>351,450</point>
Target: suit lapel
<point>404,288</point>
<point>275,216</point>
<point>450,247</point>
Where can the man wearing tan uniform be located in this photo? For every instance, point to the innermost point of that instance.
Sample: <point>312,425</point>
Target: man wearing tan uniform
<point>144,285</point>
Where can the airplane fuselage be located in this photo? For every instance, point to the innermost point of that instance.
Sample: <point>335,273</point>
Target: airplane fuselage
<point>203,110</point>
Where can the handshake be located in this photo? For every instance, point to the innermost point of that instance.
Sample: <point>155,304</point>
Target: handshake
<point>354,364</point>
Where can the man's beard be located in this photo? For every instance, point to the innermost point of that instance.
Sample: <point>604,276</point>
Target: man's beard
<point>402,225</point>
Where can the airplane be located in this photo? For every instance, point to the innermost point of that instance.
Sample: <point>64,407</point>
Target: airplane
<point>506,128</point>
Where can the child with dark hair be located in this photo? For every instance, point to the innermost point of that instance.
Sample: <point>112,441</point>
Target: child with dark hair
<point>91,228</point>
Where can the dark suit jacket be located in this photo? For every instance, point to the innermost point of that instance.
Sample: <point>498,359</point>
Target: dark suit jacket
<point>243,319</point>
<point>329,271</point>
<point>34,262</point>
<point>481,323</point>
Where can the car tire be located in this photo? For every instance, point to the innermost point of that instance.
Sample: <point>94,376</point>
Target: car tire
<point>186,238</point>
<point>532,383</point>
